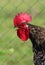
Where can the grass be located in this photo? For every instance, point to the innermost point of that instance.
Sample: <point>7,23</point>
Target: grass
<point>12,50</point>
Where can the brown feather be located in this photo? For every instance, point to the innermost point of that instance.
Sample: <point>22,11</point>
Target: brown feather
<point>37,36</point>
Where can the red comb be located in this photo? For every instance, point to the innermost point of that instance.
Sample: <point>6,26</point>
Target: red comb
<point>22,17</point>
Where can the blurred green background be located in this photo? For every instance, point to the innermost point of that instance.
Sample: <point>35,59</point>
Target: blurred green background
<point>12,50</point>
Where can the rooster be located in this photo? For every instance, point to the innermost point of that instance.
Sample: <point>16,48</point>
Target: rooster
<point>35,33</point>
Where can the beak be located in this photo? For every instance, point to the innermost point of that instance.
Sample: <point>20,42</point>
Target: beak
<point>15,27</point>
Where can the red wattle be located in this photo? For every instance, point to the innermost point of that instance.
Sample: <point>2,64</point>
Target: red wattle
<point>23,34</point>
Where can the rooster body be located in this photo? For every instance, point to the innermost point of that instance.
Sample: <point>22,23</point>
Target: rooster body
<point>37,37</point>
<point>35,33</point>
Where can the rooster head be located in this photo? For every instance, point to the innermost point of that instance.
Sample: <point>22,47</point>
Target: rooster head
<point>23,29</point>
